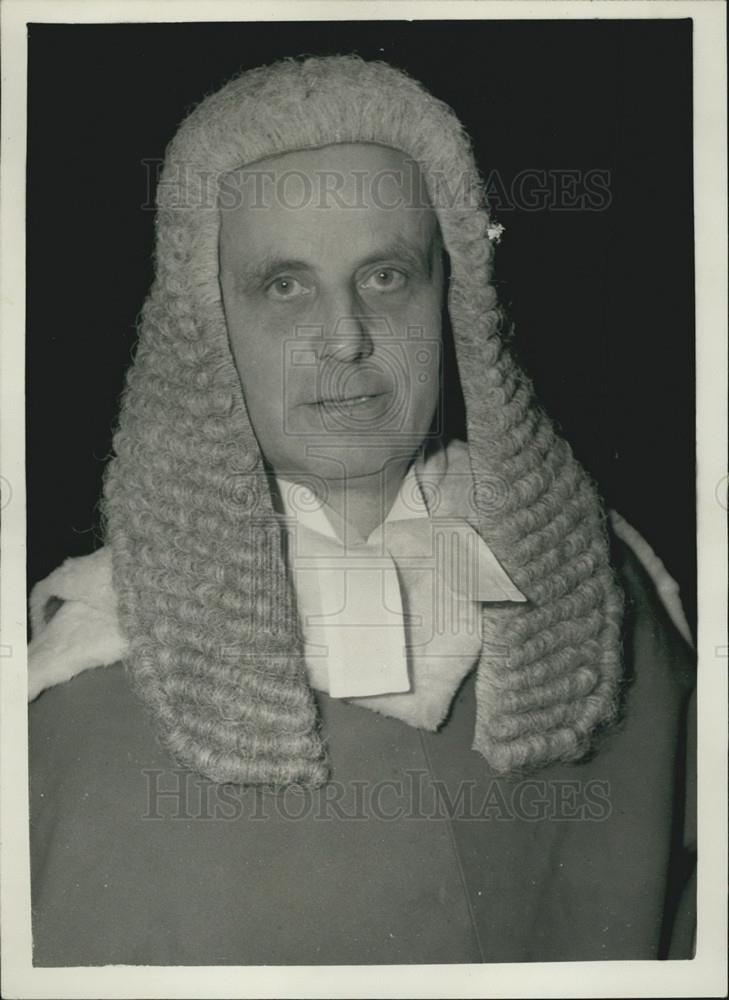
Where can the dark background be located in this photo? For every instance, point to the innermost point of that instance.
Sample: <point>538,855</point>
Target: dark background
<point>602,300</point>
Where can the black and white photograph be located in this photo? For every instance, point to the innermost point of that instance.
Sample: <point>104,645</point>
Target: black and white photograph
<point>364,500</point>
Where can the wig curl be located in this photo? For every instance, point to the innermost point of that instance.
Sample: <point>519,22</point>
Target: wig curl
<point>198,561</point>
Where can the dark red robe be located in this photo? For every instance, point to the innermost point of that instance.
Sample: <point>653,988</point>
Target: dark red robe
<point>413,853</point>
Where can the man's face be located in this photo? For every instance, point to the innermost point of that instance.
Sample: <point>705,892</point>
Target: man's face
<point>332,283</point>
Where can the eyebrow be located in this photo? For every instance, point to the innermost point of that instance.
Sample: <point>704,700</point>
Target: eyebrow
<point>400,248</point>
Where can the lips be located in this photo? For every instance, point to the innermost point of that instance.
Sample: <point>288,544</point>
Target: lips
<point>350,390</point>
<point>351,399</point>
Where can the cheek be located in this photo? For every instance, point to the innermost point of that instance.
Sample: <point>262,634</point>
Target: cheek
<point>258,360</point>
<point>424,347</point>
<point>425,376</point>
<point>254,340</point>
<point>418,319</point>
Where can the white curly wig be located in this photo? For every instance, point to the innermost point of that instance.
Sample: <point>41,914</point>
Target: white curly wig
<point>204,595</point>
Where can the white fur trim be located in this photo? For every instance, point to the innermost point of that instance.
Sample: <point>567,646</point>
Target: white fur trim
<point>84,631</point>
<point>668,589</point>
<point>77,638</point>
<point>86,579</point>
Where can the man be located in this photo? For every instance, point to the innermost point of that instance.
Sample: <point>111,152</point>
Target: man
<point>331,476</point>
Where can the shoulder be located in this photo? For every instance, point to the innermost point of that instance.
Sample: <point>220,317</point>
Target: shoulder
<point>657,712</point>
<point>656,631</point>
<point>635,558</point>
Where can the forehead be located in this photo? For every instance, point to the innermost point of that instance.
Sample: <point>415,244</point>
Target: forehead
<point>339,199</point>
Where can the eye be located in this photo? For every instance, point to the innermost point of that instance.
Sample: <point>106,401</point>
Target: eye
<point>384,279</point>
<point>285,287</point>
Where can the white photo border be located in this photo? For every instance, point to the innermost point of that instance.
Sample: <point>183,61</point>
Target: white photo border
<point>705,975</point>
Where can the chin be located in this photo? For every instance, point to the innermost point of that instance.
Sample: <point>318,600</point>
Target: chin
<point>355,461</point>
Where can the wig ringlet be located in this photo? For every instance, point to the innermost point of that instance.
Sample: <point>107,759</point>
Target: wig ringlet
<point>199,571</point>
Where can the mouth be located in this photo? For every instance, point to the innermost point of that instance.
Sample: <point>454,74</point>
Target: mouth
<point>351,401</point>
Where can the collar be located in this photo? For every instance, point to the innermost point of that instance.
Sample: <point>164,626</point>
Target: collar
<point>393,621</point>
<point>301,504</point>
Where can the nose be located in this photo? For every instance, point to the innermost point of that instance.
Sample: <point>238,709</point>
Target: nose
<point>347,329</point>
